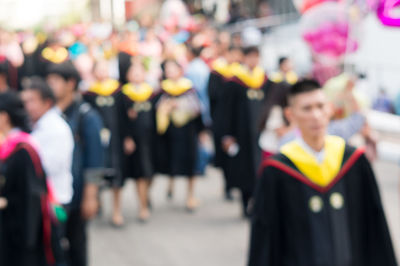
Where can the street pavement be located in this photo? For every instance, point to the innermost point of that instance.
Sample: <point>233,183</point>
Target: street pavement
<point>215,235</point>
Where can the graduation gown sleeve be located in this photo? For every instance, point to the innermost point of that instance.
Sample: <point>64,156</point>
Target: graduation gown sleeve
<point>379,247</point>
<point>264,238</point>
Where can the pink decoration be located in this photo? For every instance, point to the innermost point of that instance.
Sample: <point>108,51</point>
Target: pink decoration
<point>11,142</point>
<point>384,11</point>
<point>326,29</point>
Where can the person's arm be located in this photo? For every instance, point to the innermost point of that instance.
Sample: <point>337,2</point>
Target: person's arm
<point>93,162</point>
<point>347,127</point>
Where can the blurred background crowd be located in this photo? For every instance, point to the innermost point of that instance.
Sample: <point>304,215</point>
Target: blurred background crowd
<point>118,89</point>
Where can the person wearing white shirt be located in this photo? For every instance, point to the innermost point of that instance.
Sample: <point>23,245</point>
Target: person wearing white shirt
<point>53,136</point>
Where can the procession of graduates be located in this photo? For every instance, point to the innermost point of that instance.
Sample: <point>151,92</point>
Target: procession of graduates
<point>144,102</point>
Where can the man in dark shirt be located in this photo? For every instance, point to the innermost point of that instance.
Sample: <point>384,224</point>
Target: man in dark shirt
<point>87,165</point>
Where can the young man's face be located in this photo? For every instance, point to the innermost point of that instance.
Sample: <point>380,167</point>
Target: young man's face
<point>286,66</point>
<point>311,112</point>
<point>34,104</point>
<point>60,87</point>
<point>252,60</point>
<point>235,56</point>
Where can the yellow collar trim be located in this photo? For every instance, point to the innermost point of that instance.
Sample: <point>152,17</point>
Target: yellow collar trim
<point>55,56</point>
<point>139,93</point>
<point>223,68</point>
<point>290,77</point>
<point>253,79</point>
<point>176,88</point>
<point>105,88</point>
<point>323,173</point>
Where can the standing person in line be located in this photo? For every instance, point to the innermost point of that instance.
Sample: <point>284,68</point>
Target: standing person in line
<point>102,95</point>
<point>55,143</point>
<point>317,201</point>
<point>198,72</point>
<point>179,123</point>
<point>22,190</point>
<point>87,164</point>
<point>138,129</point>
<point>222,71</point>
<point>246,94</point>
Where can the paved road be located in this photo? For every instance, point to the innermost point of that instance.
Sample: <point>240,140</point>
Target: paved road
<point>213,236</point>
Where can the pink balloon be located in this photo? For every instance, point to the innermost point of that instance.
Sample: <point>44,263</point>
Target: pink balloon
<point>383,13</point>
<point>342,28</point>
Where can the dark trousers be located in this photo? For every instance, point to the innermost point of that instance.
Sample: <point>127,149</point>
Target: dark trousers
<point>77,237</point>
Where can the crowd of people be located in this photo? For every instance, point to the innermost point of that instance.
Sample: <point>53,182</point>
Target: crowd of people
<point>87,106</point>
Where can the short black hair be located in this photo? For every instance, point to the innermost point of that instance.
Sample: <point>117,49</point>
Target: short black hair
<point>164,64</point>
<point>195,51</point>
<point>250,49</point>
<point>11,103</point>
<point>282,60</point>
<point>303,86</point>
<point>39,85</point>
<point>66,70</point>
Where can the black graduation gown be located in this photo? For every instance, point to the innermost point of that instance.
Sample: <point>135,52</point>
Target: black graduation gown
<point>44,64</point>
<point>30,67</point>
<point>124,62</point>
<point>287,231</point>
<point>21,234</point>
<point>242,114</point>
<point>107,107</point>
<point>216,86</point>
<point>138,121</point>
<point>177,147</point>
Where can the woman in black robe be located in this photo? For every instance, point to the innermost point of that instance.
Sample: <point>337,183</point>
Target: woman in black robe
<point>138,133</point>
<point>178,125</point>
<point>24,228</point>
<point>103,96</point>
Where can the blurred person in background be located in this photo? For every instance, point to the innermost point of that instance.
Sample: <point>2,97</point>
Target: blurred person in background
<point>222,70</point>
<point>245,98</point>
<point>198,72</point>
<point>179,123</point>
<point>138,133</point>
<point>383,103</point>
<point>88,156</point>
<point>55,146</point>
<point>103,96</point>
<point>23,191</point>
<point>273,123</point>
<point>11,50</point>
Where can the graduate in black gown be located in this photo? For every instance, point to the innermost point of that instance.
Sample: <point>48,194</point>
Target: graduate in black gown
<point>51,53</point>
<point>23,223</point>
<point>31,67</point>
<point>178,125</point>
<point>317,201</point>
<point>222,71</point>
<point>138,130</point>
<point>103,96</point>
<point>244,101</point>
